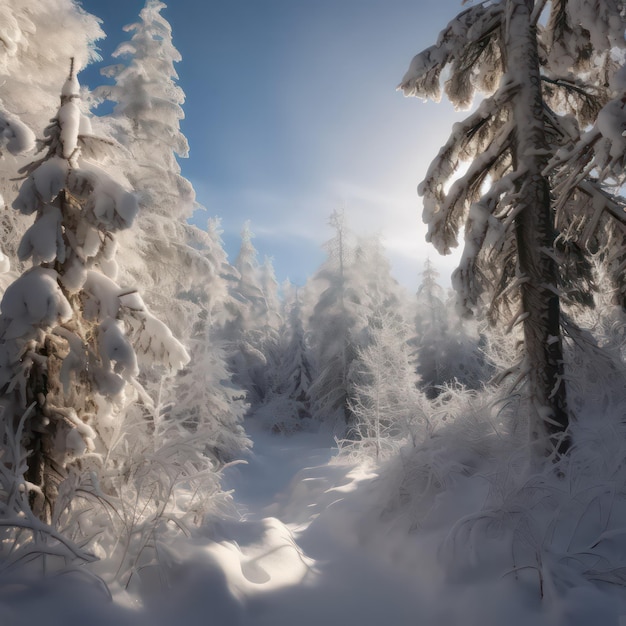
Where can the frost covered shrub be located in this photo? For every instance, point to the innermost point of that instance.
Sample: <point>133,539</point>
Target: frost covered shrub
<point>487,511</point>
<point>462,432</point>
<point>557,529</point>
<point>71,339</point>
<point>151,489</point>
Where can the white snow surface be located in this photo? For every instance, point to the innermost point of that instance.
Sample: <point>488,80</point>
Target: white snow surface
<point>34,299</point>
<point>306,550</point>
<point>15,136</point>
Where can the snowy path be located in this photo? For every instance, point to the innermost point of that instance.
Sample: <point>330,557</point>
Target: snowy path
<point>308,551</point>
<point>298,556</point>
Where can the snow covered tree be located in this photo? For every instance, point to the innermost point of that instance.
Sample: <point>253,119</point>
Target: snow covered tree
<point>295,372</point>
<point>385,401</point>
<point>70,337</point>
<point>288,400</point>
<point>248,289</point>
<point>352,287</point>
<point>148,110</point>
<point>251,330</point>
<point>205,401</point>
<point>332,326</point>
<point>269,287</point>
<point>431,325</point>
<point>146,117</point>
<point>379,291</point>
<point>541,83</point>
<point>203,398</point>
<point>33,57</point>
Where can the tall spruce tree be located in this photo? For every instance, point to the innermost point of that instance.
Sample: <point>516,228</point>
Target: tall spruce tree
<point>165,254</point>
<point>541,84</point>
<point>70,337</point>
<point>332,325</point>
<point>33,63</point>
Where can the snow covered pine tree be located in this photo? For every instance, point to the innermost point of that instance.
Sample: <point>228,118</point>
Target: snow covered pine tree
<point>69,335</point>
<point>332,327</point>
<point>541,83</point>
<point>165,252</point>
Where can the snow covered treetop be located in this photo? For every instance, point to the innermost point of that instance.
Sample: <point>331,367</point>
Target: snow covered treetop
<point>69,116</point>
<point>106,203</point>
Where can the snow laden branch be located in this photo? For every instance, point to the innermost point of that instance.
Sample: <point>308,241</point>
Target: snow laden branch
<point>469,48</point>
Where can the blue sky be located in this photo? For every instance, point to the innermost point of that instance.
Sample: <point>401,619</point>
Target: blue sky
<point>292,112</point>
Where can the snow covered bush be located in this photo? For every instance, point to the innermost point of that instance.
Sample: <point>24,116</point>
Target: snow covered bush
<point>465,489</point>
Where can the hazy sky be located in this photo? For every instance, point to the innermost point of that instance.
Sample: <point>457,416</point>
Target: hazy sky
<point>292,112</point>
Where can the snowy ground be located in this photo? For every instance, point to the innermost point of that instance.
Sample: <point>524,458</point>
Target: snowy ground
<point>308,550</point>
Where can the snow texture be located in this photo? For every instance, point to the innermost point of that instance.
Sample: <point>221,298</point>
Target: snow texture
<point>15,136</point>
<point>34,300</point>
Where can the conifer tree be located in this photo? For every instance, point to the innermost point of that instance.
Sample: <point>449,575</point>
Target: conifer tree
<point>70,337</point>
<point>541,84</point>
<point>250,341</point>
<point>33,63</point>
<point>384,400</point>
<point>164,255</point>
<point>333,325</point>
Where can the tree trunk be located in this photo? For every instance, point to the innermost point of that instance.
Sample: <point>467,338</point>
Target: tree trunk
<point>535,241</point>
<point>37,441</point>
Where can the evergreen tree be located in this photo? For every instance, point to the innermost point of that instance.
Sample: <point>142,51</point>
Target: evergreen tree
<point>70,337</point>
<point>34,56</point>
<point>379,291</point>
<point>146,120</point>
<point>537,80</point>
<point>205,401</point>
<point>385,401</point>
<point>445,350</point>
<point>33,63</point>
<point>431,326</point>
<point>203,398</point>
<point>252,341</point>
<point>295,372</point>
<point>290,373</point>
<point>269,287</point>
<point>333,326</point>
